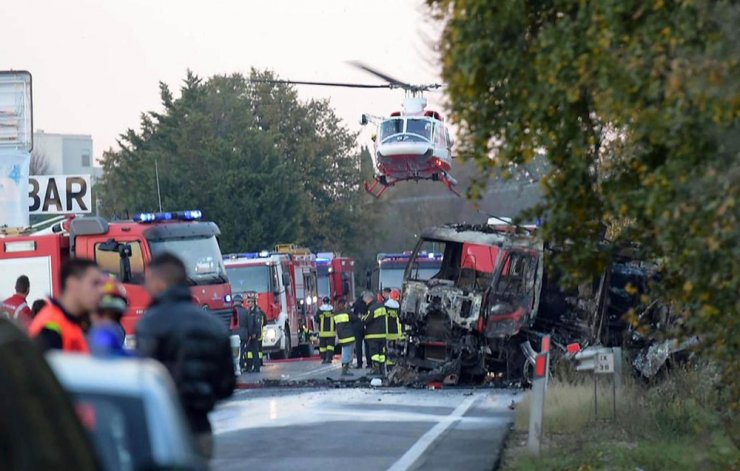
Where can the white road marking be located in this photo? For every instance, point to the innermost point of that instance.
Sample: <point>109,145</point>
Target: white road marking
<point>426,440</point>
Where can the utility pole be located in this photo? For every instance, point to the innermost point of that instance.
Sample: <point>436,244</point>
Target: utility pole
<point>159,195</point>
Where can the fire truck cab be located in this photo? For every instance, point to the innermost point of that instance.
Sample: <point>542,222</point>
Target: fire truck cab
<point>391,267</point>
<point>286,285</point>
<point>123,249</point>
<point>336,276</point>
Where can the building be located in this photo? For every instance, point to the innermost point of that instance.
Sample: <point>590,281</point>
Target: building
<point>64,154</point>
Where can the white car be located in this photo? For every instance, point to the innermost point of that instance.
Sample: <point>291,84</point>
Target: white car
<point>131,410</point>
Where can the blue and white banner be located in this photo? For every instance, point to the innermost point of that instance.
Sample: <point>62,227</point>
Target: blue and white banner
<point>14,168</point>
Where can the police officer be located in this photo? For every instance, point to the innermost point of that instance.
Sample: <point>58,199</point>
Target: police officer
<point>375,336</point>
<point>254,319</point>
<point>327,330</point>
<point>392,308</point>
<point>343,319</point>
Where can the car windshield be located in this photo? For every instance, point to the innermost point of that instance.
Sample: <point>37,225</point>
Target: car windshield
<point>420,127</point>
<point>390,127</point>
<point>252,278</point>
<point>201,256</point>
<point>117,425</point>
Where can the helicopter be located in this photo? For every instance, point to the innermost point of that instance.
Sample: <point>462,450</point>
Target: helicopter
<point>411,144</point>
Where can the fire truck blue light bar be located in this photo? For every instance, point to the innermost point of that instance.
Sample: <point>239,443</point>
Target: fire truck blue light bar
<point>190,215</point>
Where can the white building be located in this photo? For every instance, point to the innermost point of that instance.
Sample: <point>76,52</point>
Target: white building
<point>66,154</point>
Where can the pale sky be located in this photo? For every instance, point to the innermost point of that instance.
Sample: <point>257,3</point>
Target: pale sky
<point>96,63</point>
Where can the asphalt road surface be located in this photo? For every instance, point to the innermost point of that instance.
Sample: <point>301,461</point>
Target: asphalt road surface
<point>356,428</point>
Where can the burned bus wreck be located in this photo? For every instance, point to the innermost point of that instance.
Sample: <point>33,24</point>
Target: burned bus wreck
<point>470,318</point>
<point>486,309</point>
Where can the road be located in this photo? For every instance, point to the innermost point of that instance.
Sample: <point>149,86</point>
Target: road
<point>356,428</point>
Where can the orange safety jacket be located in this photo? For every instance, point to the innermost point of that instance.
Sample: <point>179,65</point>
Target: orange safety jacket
<point>53,318</point>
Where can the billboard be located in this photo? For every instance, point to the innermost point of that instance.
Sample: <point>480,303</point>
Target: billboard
<point>14,166</point>
<point>16,111</point>
<point>59,194</point>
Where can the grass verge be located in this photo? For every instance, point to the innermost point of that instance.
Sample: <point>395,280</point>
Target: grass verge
<point>678,423</point>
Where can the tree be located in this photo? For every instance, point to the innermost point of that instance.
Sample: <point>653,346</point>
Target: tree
<point>255,159</point>
<point>39,163</point>
<point>636,106</point>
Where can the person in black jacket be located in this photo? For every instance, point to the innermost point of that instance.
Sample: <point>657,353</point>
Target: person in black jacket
<point>254,321</point>
<point>193,345</point>
<point>359,309</point>
<point>242,330</point>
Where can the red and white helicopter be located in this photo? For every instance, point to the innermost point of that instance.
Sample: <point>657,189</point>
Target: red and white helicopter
<point>411,144</point>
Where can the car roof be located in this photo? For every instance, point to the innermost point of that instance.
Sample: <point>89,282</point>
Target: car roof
<point>129,376</point>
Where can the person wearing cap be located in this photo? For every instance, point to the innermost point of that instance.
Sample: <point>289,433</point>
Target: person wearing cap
<point>107,335</point>
<point>254,321</point>
<point>327,330</point>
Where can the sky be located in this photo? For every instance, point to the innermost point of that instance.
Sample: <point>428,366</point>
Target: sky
<point>96,64</point>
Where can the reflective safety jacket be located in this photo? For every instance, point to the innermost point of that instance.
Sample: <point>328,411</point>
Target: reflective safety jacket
<point>55,329</point>
<point>393,322</point>
<point>326,321</point>
<point>16,308</point>
<point>375,322</point>
<point>345,332</point>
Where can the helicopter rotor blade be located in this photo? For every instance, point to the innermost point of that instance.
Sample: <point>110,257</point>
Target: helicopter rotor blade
<point>381,75</point>
<point>323,84</point>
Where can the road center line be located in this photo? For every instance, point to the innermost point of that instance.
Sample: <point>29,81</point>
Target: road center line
<point>426,440</point>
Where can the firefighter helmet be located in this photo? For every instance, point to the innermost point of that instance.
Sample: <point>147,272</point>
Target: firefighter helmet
<point>395,295</point>
<point>114,296</point>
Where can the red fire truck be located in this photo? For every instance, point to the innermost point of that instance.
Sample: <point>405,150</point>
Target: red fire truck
<point>336,276</point>
<point>286,285</point>
<point>124,249</point>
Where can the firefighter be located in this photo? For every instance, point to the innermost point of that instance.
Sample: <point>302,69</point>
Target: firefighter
<point>254,320</point>
<point>375,336</point>
<point>359,309</point>
<point>344,319</point>
<point>327,330</point>
<point>242,331</point>
<point>16,307</point>
<point>58,325</point>
<point>392,308</point>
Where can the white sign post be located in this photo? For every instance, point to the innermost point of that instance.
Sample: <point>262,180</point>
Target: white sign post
<point>59,194</point>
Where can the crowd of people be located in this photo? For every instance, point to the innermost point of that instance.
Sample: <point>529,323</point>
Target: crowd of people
<point>86,318</point>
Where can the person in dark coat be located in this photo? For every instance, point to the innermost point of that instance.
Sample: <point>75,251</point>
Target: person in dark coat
<point>242,331</point>
<point>359,309</point>
<point>254,321</point>
<point>193,345</point>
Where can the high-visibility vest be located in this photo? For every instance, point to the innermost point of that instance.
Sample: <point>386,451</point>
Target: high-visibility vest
<point>345,333</point>
<point>326,324</point>
<point>392,322</point>
<point>376,323</point>
<point>51,317</point>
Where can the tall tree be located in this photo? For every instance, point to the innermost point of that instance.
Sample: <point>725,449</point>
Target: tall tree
<point>264,165</point>
<point>635,104</point>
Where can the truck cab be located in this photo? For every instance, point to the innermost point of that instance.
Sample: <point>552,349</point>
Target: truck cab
<point>336,276</point>
<point>286,287</point>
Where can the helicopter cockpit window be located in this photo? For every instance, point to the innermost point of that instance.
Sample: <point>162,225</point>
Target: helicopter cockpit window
<point>390,127</point>
<point>440,135</point>
<point>420,127</point>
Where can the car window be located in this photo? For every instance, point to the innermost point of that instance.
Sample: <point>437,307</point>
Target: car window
<point>39,429</point>
<point>110,262</point>
<point>117,425</point>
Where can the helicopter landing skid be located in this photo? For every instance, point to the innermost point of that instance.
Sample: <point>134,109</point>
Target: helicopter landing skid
<point>449,182</point>
<point>370,188</point>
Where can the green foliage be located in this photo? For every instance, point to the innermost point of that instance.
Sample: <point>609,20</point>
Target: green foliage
<point>265,166</point>
<point>635,104</point>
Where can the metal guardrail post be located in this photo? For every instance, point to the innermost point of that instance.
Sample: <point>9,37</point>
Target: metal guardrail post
<point>537,404</point>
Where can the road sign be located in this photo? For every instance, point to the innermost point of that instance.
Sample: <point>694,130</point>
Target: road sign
<point>604,363</point>
<point>59,194</point>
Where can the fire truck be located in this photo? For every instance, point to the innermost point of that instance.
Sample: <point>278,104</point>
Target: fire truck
<point>123,249</point>
<point>336,276</point>
<point>285,281</point>
<point>391,267</point>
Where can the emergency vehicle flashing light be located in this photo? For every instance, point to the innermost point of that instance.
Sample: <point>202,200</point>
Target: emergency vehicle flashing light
<point>189,215</point>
